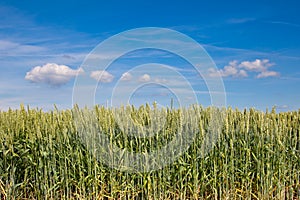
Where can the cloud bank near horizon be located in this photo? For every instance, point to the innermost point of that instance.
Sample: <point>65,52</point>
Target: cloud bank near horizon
<point>57,75</point>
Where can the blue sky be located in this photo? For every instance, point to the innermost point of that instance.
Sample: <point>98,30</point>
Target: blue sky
<point>255,46</point>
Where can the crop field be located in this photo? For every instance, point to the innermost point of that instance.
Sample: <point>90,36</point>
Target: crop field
<point>255,155</point>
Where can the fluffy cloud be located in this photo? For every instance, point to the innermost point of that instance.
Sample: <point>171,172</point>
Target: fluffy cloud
<point>257,65</point>
<point>145,78</point>
<point>260,66</point>
<point>102,76</point>
<point>126,76</point>
<point>235,69</point>
<point>265,74</point>
<point>230,70</point>
<point>52,74</point>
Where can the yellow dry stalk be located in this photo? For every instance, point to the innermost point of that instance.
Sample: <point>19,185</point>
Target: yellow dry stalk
<point>2,190</point>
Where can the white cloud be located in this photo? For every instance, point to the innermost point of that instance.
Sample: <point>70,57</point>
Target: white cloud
<point>235,69</point>
<point>257,65</point>
<point>266,74</point>
<point>126,76</point>
<point>230,70</point>
<point>102,76</point>
<point>243,73</point>
<point>52,74</point>
<point>261,66</point>
<point>145,78</point>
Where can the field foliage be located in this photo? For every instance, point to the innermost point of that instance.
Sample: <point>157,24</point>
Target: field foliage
<point>256,155</point>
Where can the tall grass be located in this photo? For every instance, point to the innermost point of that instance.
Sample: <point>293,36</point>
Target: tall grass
<point>257,156</point>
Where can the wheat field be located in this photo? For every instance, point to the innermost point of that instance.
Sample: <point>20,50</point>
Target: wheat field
<point>256,155</point>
